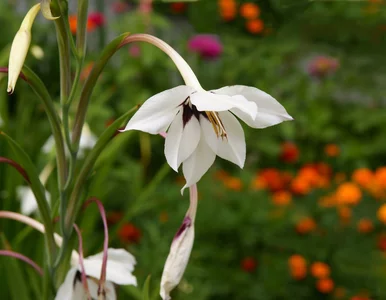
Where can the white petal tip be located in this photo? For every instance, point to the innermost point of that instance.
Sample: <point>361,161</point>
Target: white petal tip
<point>10,90</point>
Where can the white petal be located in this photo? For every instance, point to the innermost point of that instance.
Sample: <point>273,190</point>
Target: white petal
<point>198,163</point>
<point>181,141</point>
<point>156,114</point>
<point>270,111</point>
<point>207,101</point>
<point>28,200</point>
<point>177,261</point>
<point>65,291</point>
<point>232,147</point>
<point>48,145</point>
<point>120,265</point>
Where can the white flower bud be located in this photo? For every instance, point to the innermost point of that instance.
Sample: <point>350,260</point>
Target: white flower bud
<point>180,250</point>
<point>20,47</point>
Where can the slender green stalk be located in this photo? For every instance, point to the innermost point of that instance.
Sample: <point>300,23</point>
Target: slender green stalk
<point>63,40</point>
<point>81,33</point>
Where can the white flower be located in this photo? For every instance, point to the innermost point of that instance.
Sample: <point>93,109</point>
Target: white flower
<point>180,249</point>
<point>201,124</point>
<point>120,265</point>
<point>87,141</point>
<point>28,200</point>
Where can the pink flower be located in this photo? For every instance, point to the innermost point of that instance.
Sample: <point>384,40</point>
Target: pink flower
<point>207,45</point>
<point>119,7</point>
<point>97,18</point>
<point>320,66</point>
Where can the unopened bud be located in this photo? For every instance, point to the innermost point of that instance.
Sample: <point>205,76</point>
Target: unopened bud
<point>180,249</point>
<point>20,47</point>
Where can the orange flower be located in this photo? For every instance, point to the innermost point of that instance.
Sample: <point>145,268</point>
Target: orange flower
<point>227,9</point>
<point>298,266</point>
<point>364,177</point>
<point>380,177</point>
<point>300,186</point>
<point>129,233</point>
<point>325,285</point>
<point>332,150</point>
<point>289,152</point>
<point>73,20</point>
<point>233,183</point>
<point>348,193</point>
<point>281,198</point>
<point>305,225</point>
<point>255,26</point>
<point>271,179</point>
<point>310,174</point>
<point>320,270</point>
<point>249,10</point>
<point>381,214</point>
<point>365,226</point>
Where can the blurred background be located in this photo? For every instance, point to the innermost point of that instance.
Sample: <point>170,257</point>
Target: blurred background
<point>306,216</point>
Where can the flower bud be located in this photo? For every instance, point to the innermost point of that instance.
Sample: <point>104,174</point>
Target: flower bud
<point>46,10</point>
<point>180,250</point>
<point>20,47</point>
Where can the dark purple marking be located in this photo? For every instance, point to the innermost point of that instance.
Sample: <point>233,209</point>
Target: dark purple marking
<point>185,224</point>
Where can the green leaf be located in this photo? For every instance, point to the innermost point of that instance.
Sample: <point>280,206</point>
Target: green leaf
<point>145,290</point>
<point>37,188</point>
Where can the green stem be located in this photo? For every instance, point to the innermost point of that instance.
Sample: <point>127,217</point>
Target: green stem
<point>64,50</point>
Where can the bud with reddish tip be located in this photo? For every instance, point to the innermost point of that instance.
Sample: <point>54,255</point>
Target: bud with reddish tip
<point>20,47</point>
<point>180,249</point>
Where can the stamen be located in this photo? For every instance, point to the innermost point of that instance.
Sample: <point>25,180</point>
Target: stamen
<point>217,124</point>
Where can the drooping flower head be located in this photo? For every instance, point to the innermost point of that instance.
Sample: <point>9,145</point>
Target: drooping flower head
<point>206,45</point>
<point>202,124</point>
